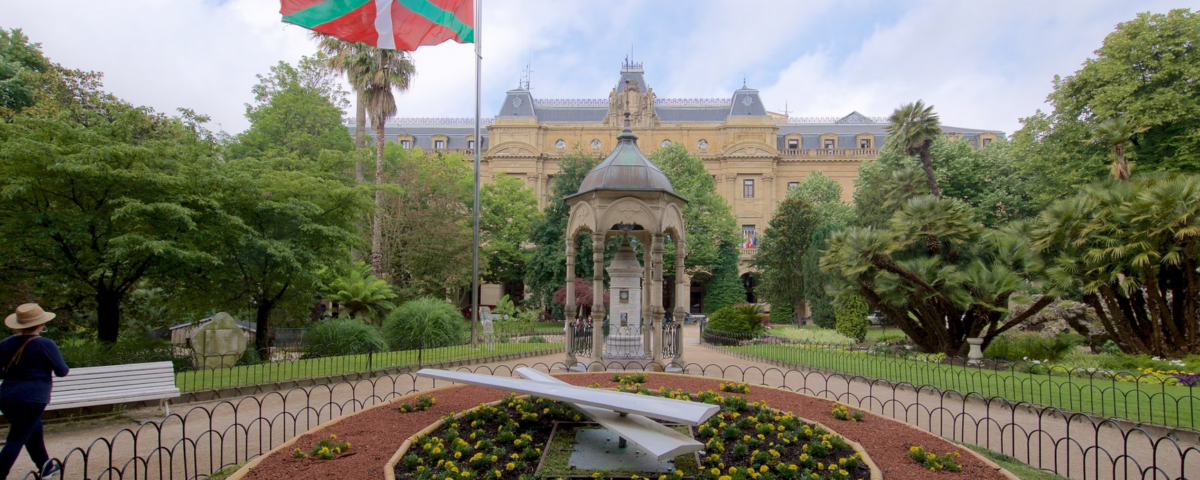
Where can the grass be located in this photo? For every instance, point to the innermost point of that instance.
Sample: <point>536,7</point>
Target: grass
<point>1017,467</point>
<point>1175,406</point>
<point>209,379</point>
<point>224,473</point>
<point>874,334</point>
<point>548,327</point>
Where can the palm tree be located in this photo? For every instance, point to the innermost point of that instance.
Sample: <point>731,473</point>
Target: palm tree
<point>362,293</point>
<point>1116,132</point>
<point>373,73</point>
<point>913,128</point>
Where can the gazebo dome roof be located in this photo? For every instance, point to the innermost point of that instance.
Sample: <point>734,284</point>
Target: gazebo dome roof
<point>626,168</point>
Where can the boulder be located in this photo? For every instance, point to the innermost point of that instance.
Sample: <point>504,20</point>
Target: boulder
<point>219,343</point>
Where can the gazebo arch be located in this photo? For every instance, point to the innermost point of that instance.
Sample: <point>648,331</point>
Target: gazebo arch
<point>626,194</point>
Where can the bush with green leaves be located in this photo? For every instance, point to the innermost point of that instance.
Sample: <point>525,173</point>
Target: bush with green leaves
<point>733,319</point>
<point>813,336</point>
<point>342,337</point>
<point>1032,346</point>
<point>424,323</point>
<point>851,314</point>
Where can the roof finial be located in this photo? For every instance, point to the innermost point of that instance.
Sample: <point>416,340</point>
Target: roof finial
<point>627,85</point>
<point>743,81</point>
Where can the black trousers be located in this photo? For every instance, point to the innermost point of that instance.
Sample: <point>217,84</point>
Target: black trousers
<point>25,430</point>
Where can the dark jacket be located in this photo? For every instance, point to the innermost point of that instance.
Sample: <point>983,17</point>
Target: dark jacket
<point>28,380</point>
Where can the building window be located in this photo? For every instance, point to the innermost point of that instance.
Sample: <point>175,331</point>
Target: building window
<point>406,144</point>
<point>864,143</point>
<point>827,144</point>
<point>748,188</point>
<point>702,144</point>
<point>987,141</point>
<point>793,185</point>
<point>749,238</point>
<point>439,144</point>
<point>471,144</point>
<point>793,143</point>
<point>561,144</point>
<point>596,144</point>
<point>666,143</point>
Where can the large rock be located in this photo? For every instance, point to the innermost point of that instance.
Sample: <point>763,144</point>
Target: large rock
<point>219,343</point>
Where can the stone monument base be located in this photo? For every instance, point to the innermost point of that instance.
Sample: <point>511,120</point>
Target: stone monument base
<point>624,346</point>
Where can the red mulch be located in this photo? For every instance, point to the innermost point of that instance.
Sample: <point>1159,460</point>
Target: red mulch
<point>376,434</point>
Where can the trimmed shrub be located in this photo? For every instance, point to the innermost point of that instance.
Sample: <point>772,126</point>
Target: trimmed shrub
<point>814,336</point>
<point>851,314</point>
<point>342,337</point>
<point>781,314</point>
<point>424,323</point>
<point>1019,345</point>
<point>734,320</point>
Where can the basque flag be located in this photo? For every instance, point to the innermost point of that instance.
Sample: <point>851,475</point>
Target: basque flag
<point>393,24</point>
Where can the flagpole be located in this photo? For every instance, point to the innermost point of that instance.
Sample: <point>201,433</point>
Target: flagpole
<point>478,148</point>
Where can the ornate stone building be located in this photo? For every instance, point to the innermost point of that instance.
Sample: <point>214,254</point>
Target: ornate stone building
<point>754,154</point>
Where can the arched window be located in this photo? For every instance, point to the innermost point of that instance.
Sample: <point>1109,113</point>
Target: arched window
<point>666,143</point>
<point>561,144</point>
<point>596,144</point>
<point>702,144</point>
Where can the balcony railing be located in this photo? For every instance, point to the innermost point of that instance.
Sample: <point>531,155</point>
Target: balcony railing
<point>464,151</point>
<point>835,152</point>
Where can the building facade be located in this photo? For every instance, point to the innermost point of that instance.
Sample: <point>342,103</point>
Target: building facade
<point>753,154</point>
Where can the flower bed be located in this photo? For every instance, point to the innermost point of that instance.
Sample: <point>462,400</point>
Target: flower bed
<point>377,434</point>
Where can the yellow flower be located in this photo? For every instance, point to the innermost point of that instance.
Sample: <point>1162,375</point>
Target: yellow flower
<point>732,470</point>
<point>762,468</point>
<point>457,455</point>
<point>914,449</point>
<point>679,473</point>
<point>510,466</point>
<point>333,436</point>
<point>716,472</point>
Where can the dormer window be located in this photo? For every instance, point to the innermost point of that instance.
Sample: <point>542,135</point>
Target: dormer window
<point>827,144</point>
<point>439,144</point>
<point>406,144</point>
<point>987,141</point>
<point>561,144</point>
<point>864,143</point>
<point>470,144</point>
<point>793,143</point>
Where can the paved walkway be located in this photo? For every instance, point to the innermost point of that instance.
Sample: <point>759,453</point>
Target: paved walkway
<point>244,427</point>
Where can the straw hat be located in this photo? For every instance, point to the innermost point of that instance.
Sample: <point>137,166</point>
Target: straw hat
<point>28,315</point>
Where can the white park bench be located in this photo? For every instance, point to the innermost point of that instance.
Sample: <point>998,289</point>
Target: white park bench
<point>134,382</point>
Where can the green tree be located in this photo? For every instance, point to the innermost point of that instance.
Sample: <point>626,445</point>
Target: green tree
<point>781,252</point>
<point>820,304</point>
<point>546,269</point>
<point>1117,132</point>
<point>851,313</point>
<point>1130,249</point>
<point>725,287</point>
<point>940,275</point>
<point>1146,70</point>
<point>508,212</point>
<point>825,195</point>
<point>294,114</point>
<point>20,60</point>
<point>99,195</point>
<point>912,129</point>
<point>710,228</point>
<point>350,59</point>
<point>362,294</point>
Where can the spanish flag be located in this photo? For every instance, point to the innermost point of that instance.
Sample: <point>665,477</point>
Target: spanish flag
<point>392,24</point>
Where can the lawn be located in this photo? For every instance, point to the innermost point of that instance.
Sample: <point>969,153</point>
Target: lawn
<point>1139,402</point>
<point>209,379</point>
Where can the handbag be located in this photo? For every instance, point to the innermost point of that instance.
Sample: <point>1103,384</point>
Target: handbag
<point>16,357</point>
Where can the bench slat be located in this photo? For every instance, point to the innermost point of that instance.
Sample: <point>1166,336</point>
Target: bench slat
<point>135,382</point>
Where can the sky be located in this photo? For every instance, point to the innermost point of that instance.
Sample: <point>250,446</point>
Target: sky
<point>981,64</point>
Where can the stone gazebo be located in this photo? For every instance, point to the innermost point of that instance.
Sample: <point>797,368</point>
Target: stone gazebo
<point>627,195</point>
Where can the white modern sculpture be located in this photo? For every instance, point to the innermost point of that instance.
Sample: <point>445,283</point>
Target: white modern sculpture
<point>622,413</point>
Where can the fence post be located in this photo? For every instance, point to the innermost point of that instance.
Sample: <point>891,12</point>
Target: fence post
<point>370,358</point>
<point>420,353</point>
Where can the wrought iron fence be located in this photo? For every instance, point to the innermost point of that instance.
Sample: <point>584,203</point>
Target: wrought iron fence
<point>672,337</point>
<point>1134,396</point>
<point>580,339</point>
<point>207,438</point>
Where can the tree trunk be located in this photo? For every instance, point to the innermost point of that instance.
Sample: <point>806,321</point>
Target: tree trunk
<point>376,227</point>
<point>360,126</point>
<point>927,165</point>
<point>262,321</point>
<point>108,316</point>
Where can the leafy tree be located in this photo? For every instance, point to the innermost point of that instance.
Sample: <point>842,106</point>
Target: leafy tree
<point>1117,132</point>
<point>1130,249</point>
<point>851,313</point>
<point>546,269</point>
<point>1055,157</point>
<point>508,212</point>
<point>426,239</point>
<point>825,195</point>
<point>940,275</point>
<point>19,61</point>
<point>350,59</point>
<point>99,195</point>
<point>710,228</point>
<point>361,293</point>
<point>820,303</point>
<point>583,298</point>
<point>725,287</point>
<point>294,114</point>
<point>781,251</point>
<point>1145,70</point>
<point>912,129</point>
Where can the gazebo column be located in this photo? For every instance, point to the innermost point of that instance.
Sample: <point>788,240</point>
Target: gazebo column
<point>597,296</point>
<point>647,321</point>
<point>682,299</point>
<point>656,296</point>
<point>569,311</point>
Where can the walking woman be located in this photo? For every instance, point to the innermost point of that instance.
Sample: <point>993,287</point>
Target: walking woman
<point>27,360</point>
